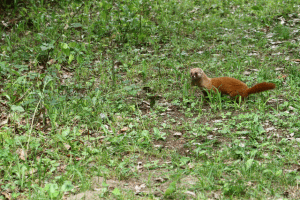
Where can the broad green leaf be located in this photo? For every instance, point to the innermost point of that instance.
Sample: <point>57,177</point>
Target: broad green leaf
<point>116,192</point>
<point>71,58</point>
<point>171,189</point>
<point>17,108</point>
<point>249,163</point>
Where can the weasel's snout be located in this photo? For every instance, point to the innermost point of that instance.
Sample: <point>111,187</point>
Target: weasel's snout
<point>194,76</point>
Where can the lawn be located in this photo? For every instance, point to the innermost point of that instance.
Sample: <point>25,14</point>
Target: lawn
<point>96,100</point>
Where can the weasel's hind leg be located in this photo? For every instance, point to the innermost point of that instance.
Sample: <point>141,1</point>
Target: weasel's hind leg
<point>236,96</point>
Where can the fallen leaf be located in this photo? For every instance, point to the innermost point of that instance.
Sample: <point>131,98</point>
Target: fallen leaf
<point>32,171</point>
<point>159,180</point>
<point>190,193</point>
<point>22,154</point>
<point>51,62</point>
<point>146,102</point>
<point>61,168</point>
<point>291,108</point>
<point>124,129</point>
<point>3,122</point>
<point>282,20</point>
<point>195,63</point>
<point>279,69</point>
<point>296,60</point>
<point>269,35</point>
<point>217,121</point>
<point>270,129</point>
<point>6,195</point>
<point>67,146</point>
<point>177,134</point>
<point>242,145</point>
<point>276,42</point>
<point>276,54</point>
<point>253,54</point>
<point>191,166</point>
<point>65,76</point>
<point>282,76</point>
<point>210,137</point>
<point>246,73</point>
<point>138,188</point>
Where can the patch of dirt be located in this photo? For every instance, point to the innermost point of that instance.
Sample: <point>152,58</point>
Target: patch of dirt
<point>157,184</point>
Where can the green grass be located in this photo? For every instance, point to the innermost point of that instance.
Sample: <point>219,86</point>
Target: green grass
<point>99,90</point>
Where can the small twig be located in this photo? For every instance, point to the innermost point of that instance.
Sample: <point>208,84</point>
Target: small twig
<point>31,126</point>
<point>113,74</point>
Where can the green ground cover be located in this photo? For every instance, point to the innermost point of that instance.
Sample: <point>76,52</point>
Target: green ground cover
<point>95,100</point>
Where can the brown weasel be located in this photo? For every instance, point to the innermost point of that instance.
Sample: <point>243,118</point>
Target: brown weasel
<point>226,85</point>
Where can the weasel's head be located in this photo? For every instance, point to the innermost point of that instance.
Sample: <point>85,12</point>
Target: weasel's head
<point>196,73</point>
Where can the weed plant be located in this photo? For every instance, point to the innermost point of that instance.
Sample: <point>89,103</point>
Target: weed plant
<point>100,90</point>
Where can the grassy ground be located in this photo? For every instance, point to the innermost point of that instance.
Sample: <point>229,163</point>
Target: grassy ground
<point>96,97</point>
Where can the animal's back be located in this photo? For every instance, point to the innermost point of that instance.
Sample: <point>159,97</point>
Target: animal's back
<point>228,85</point>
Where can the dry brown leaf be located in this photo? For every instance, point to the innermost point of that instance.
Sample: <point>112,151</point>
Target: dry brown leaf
<point>191,166</point>
<point>282,76</point>
<point>124,129</point>
<point>269,35</point>
<point>296,60</point>
<point>22,154</point>
<point>6,195</point>
<point>118,117</point>
<point>190,193</point>
<point>246,73</point>
<point>32,171</point>
<point>276,42</point>
<point>67,146</point>
<point>3,122</point>
<point>139,188</point>
<point>61,168</point>
<point>51,62</point>
<point>279,69</point>
<point>159,180</point>
<point>177,134</point>
<point>217,121</point>
<point>253,54</point>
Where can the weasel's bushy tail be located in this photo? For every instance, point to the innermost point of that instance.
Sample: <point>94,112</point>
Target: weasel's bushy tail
<point>260,87</point>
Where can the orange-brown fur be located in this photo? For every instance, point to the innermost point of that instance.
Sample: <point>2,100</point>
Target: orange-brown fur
<point>226,85</point>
